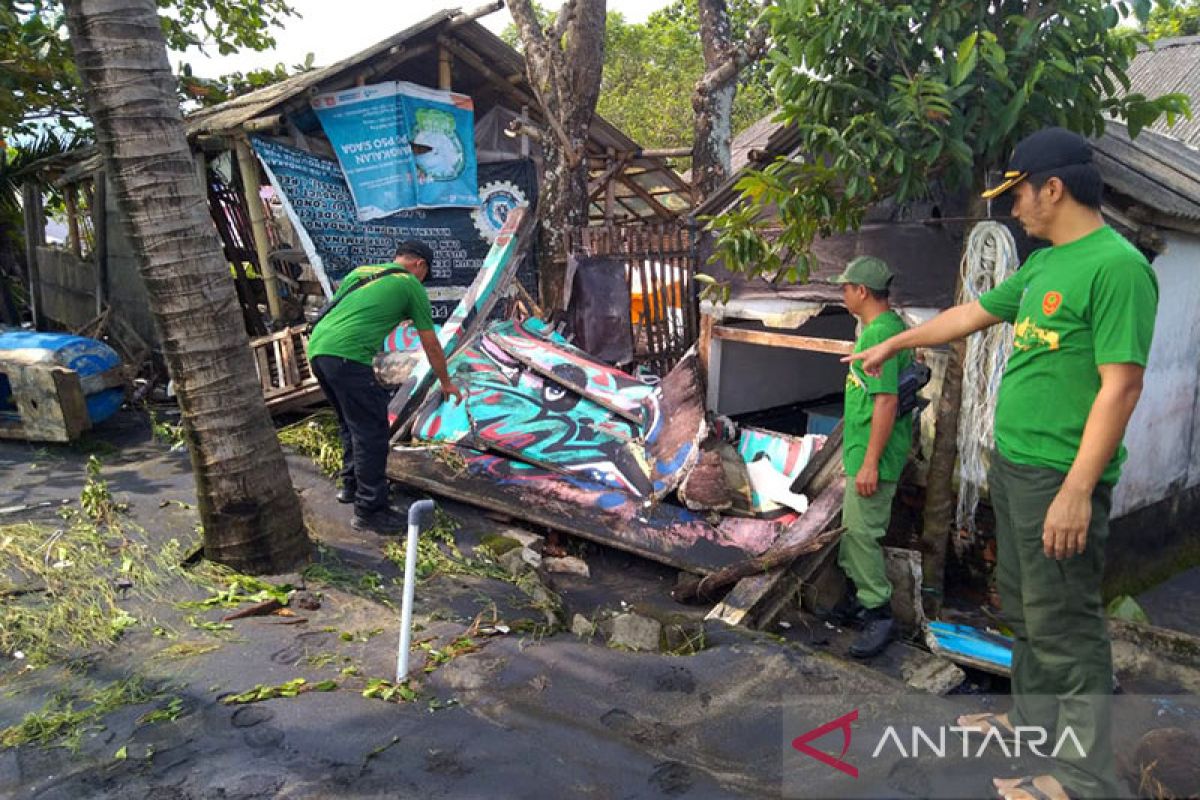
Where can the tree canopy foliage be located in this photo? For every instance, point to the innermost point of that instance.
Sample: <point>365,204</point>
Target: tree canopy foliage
<point>651,68</point>
<point>1174,20</point>
<point>38,80</point>
<point>892,95</point>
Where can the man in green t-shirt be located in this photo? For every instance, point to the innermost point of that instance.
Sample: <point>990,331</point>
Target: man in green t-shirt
<point>341,348</point>
<point>874,450</point>
<point>1082,312</point>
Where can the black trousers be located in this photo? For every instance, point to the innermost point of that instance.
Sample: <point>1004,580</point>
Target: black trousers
<point>361,407</point>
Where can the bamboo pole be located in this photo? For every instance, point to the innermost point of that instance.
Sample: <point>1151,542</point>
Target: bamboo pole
<point>445,69</point>
<point>248,165</point>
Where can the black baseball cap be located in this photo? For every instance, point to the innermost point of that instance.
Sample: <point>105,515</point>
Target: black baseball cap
<point>415,247</point>
<point>1047,150</point>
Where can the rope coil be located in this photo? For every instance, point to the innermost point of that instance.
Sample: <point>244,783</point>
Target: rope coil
<point>990,258</point>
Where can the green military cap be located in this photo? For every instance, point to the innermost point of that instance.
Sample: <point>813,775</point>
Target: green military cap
<point>867,271</point>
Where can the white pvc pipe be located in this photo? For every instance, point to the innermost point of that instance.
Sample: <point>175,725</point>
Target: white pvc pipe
<point>410,580</point>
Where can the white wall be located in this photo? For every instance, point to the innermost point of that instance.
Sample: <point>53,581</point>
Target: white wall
<point>1163,437</point>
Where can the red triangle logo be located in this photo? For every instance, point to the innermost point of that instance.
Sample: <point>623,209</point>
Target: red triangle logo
<point>842,723</point>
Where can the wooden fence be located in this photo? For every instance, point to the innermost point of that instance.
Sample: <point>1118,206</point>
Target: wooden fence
<point>660,268</point>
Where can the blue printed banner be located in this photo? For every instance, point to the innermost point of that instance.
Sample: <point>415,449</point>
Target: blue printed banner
<point>317,200</point>
<point>372,145</point>
<point>402,146</point>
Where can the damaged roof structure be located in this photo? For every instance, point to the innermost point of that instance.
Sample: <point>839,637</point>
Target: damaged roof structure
<point>450,50</point>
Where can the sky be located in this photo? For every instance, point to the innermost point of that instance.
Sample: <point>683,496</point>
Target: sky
<point>334,29</point>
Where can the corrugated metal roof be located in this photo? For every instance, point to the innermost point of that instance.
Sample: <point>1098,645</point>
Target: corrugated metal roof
<point>1171,65</point>
<point>1154,170</point>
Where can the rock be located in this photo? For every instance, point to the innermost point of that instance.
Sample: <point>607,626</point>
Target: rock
<point>306,600</point>
<point>635,632</point>
<point>582,627</point>
<point>705,487</point>
<point>568,565</point>
<point>518,561</point>
<point>929,673</point>
<point>526,538</point>
<point>497,545</point>
<point>1166,761</point>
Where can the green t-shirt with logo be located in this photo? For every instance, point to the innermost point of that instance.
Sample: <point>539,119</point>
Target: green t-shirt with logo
<point>861,389</point>
<point>358,325</point>
<point>1073,307</point>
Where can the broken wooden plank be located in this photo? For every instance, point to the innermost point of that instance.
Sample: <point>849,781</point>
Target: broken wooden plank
<point>785,340</point>
<point>741,602</point>
<point>699,588</point>
<point>970,646</point>
<point>662,532</point>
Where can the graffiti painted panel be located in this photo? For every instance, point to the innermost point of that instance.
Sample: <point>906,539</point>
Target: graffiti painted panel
<point>510,410</point>
<point>774,461</point>
<point>616,390</point>
<point>664,532</point>
<point>472,310</point>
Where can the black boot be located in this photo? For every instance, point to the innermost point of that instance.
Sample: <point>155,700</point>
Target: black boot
<point>346,493</point>
<point>878,629</point>
<point>384,522</point>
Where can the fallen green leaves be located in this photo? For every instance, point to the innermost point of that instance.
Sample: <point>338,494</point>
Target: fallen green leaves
<point>316,437</point>
<point>291,688</point>
<point>74,578</point>
<point>381,689</point>
<point>64,719</point>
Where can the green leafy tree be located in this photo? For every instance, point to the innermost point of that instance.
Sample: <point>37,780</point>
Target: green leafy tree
<point>39,84</point>
<point>887,97</point>
<point>651,69</point>
<point>1173,20</point>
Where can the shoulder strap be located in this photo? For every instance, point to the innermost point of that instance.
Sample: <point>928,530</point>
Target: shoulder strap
<point>381,274</point>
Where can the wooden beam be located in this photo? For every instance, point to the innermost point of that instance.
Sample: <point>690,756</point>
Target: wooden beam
<point>743,601</point>
<point>470,16</point>
<point>445,68</point>
<point>476,63</point>
<point>663,211</point>
<point>74,241</point>
<point>251,183</point>
<point>790,341</point>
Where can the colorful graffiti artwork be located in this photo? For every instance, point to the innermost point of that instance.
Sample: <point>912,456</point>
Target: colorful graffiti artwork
<point>472,311</point>
<point>774,461</point>
<point>554,418</point>
<point>617,391</point>
<point>509,409</point>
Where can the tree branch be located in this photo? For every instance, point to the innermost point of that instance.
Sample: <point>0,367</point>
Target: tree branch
<point>567,13</point>
<point>749,50</point>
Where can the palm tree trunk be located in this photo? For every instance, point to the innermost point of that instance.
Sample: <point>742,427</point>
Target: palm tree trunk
<point>251,517</point>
